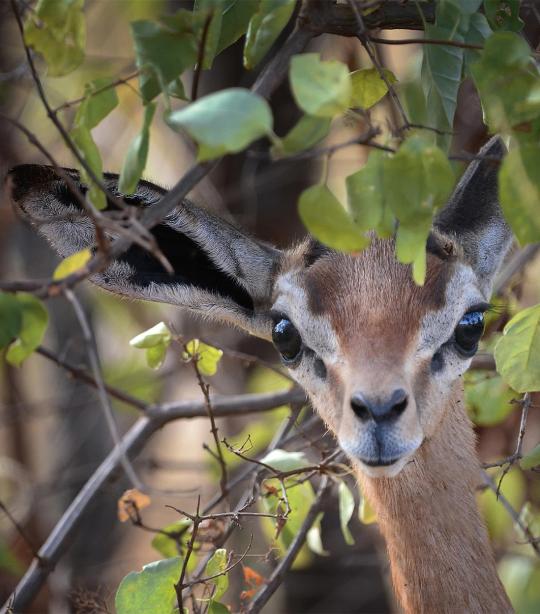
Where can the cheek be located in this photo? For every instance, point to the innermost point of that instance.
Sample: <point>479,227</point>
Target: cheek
<point>325,392</point>
<point>433,391</point>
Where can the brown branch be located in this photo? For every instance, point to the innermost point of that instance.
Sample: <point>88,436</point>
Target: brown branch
<point>423,41</point>
<point>200,57</point>
<point>83,376</point>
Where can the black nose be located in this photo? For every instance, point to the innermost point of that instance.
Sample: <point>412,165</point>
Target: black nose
<point>379,410</point>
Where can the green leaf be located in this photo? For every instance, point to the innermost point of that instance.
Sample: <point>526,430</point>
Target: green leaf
<point>11,318</point>
<point>477,34</point>
<point>150,591</point>
<point>328,221</point>
<point>308,131</point>
<point>442,66</point>
<point>264,28</point>
<point>224,122</point>
<point>519,191</point>
<point>366,196</point>
<point>72,263</point>
<point>155,356</point>
<point>321,88</point>
<point>212,9</point>
<point>346,510</point>
<point>99,101</point>
<point>517,353</point>
<point>163,51</point>
<point>508,82</point>
<point>368,87</point>
<point>214,607</point>
<point>137,154</point>
<point>532,459</point>
<point>366,513</point>
<point>313,538</point>
<point>34,324</point>
<point>217,565</point>
<point>207,356</point>
<point>283,460</point>
<point>300,496</point>
<point>166,545</point>
<point>417,180</point>
<point>488,399</point>
<point>56,30</point>
<point>159,333</point>
<point>235,20</point>
<point>503,14</point>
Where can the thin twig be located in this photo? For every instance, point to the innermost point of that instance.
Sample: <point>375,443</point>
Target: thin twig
<point>99,90</point>
<point>531,539</point>
<point>179,586</point>
<point>200,57</point>
<point>423,41</point>
<point>83,376</point>
<point>91,349</point>
<point>22,532</point>
<point>205,389</point>
<point>525,406</point>
<point>284,565</point>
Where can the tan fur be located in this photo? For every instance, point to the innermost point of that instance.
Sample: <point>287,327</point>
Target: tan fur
<point>441,559</point>
<point>440,555</point>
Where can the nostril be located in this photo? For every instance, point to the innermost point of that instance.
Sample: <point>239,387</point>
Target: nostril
<point>360,408</point>
<point>398,408</point>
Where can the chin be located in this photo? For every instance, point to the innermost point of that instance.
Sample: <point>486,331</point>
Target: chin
<point>387,466</point>
<point>383,471</point>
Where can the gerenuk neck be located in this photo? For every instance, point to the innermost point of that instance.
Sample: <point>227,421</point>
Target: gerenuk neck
<point>440,555</point>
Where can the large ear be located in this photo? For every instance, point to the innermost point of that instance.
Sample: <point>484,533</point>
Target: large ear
<point>219,271</point>
<point>473,216</point>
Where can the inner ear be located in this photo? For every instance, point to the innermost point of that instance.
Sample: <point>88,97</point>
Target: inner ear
<point>191,266</point>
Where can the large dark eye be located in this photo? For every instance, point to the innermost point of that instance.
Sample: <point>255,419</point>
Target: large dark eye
<point>468,332</point>
<point>287,339</point>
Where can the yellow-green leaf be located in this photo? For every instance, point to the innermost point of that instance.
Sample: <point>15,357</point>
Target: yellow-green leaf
<point>517,353</point>
<point>137,154</point>
<point>328,221</point>
<point>217,565</point>
<point>33,326</point>
<point>368,87</point>
<point>346,509</point>
<point>72,263</point>
<point>224,122</point>
<point>531,459</point>
<point>56,29</point>
<point>207,356</point>
<point>321,88</point>
<point>10,318</point>
<point>308,131</point>
<point>366,513</point>
<point>264,28</point>
<point>150,591</point>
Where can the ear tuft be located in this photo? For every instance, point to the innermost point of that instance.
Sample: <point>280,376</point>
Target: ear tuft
<point>473,216</point>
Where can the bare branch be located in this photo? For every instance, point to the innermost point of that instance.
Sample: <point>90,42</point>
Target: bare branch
<point>284,565</point>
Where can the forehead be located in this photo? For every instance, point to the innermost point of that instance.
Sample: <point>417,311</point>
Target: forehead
<point>370,293</point>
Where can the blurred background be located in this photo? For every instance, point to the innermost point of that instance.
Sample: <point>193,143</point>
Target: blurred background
<point>52,432</point>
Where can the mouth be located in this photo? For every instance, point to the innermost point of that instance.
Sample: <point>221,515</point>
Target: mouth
<point>379,462</point>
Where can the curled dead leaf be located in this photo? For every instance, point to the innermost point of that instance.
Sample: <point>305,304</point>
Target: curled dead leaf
<point>130,503</point>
